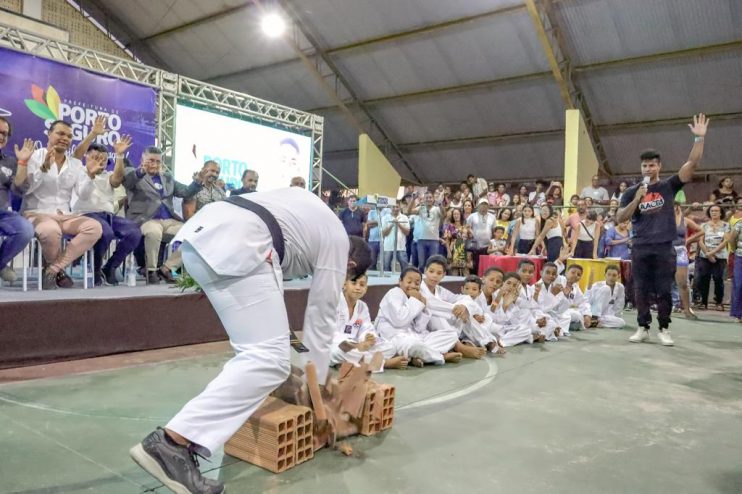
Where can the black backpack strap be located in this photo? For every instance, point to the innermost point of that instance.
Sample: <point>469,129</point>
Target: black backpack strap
<point>268,219</point>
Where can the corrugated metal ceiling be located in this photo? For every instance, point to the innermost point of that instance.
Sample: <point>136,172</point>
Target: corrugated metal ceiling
<point>431,72</point>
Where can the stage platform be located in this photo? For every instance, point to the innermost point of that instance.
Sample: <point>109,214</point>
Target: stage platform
<point>53,326</point>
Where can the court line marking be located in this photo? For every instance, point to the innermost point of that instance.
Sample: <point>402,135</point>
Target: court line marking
<point>47,408</point>
<point>452,395</point>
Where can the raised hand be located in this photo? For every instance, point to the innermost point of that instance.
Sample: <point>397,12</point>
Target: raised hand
<point>556,288</point>
<point>24,152</point>
<point>122,145</point>
<point>48,158</point>
<point>700,125</point>
<point>96,165</point>
<point>99,126</point>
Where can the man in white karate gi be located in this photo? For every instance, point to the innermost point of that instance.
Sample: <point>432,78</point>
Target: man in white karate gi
<point>239,252</point>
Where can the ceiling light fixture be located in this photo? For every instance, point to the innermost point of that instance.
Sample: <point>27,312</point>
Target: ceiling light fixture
<point>273,25</point>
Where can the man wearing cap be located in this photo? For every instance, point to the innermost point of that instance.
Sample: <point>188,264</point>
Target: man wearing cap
<point>481,223</point>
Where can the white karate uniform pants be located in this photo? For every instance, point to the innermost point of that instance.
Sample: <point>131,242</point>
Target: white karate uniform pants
<point>600,304</point>
<point>512,335</point>
<point>252,311</point>
<point>476,333</point>
<point>337,356</point>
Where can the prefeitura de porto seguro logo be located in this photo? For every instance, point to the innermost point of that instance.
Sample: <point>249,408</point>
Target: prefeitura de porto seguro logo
<point>80,115</point>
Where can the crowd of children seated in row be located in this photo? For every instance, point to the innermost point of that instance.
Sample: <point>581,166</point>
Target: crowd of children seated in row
<point>419,322</point>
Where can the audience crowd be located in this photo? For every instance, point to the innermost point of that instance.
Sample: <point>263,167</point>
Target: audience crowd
<point>75,202</point>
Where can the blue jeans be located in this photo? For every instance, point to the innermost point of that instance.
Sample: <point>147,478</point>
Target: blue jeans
<point>401,258</point>
<point>17,232</point>
<point>375,248</point>
<point>425,250</point>
<point>736,310</point>
<point>128,233</point>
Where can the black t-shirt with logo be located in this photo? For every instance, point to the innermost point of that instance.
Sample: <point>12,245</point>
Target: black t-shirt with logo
<point>653,221</point>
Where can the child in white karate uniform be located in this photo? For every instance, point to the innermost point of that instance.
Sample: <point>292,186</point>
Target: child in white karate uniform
<point>450,312</point>
<point>356,337</point>
<point>403,319</point>
<point>607,299</point>
<point>541,326</point>
<point>491,283</point>
<point>477,330</point>
<point>512,320</point>
<point>573,302</point>
<point>549,298</point>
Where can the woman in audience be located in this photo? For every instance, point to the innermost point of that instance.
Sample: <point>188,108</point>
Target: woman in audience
<point>455,234</point>
<point>554,194</point>
<point>523,193</point>
<point>503,220</point>
<point>682,261</point>
<point>725,194</point>
<point>589,203</point>
<point>552,231</point>
<point>468,208</point>
<point>617,241</point>
<point>622,186</point>
<point>712,259</point>
<point>585,243</point>
<point>525,233</point>
<point>516,201</point>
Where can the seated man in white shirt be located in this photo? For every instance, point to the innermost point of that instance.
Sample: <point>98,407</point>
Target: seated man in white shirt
<point>48,180</point>
<point>96,200</point>
<point>394,228</point>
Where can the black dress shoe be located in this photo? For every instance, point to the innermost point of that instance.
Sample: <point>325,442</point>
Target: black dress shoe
<point>64,281</point>
<point>153,278</point>
<point>109,275</point>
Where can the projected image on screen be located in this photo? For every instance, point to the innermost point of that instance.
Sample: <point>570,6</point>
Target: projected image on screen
<point>237,145</point>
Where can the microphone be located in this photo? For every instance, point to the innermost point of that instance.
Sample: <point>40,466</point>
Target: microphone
<point>645,180</point>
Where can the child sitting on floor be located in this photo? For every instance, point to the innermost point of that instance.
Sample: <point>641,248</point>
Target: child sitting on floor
<point>573,302</point>
<point>355,337</point>
<point>491,283</point>
<point>403,319</point>
<point>607,299</point>
<point>541,326</point>
<point>549,289</point>
<point>448,312</point>
<point>510,318</point>
<point>477,330</point>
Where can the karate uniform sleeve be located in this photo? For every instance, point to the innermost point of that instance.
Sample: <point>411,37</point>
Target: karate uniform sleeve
<point>399,309</point>
<point>620,299</point>
<point>420,323</point>
<point>365,315</point>
<point>583,304</point>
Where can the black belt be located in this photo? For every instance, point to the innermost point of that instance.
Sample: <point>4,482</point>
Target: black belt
<point>277,236</point>
<point>270,221</point>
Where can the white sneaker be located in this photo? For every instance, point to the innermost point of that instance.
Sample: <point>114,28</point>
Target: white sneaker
<point>665,338</point>
<point>640,336</point>
<point>8,275</point>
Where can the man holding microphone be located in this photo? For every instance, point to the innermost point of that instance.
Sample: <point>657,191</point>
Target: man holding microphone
<point>649,206</point>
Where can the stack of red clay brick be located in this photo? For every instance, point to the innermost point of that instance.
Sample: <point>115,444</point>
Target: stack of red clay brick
<point>280,436</point>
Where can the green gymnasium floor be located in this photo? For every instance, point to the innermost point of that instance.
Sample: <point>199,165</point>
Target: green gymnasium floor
<point>595,414</point>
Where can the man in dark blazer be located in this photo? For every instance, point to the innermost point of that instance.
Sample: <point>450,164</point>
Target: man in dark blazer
<point>150,194</point>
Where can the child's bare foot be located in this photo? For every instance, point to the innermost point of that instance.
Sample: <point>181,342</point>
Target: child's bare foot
<point>398,362</point>
<point>558,332</point>
<point>491,346</point>
<point>417,362</point>
<point>500,351</point>
<point>452,357</point>
<point>470,351</point>
<point>539,338</point>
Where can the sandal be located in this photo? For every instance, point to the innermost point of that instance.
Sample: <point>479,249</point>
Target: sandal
<point>720,307</point>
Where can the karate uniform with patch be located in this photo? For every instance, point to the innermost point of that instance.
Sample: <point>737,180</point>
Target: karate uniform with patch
<point>402,321</point>
<point>441,304</point>
<point>576,306</point>
<point>353,328</point>
<point>607,304</point>
<point>533,307</point>
<point>552,307</point>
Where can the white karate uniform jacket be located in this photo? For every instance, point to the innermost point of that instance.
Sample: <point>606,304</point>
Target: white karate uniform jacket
<point>234,242</point>
<point>354,328</point>
<point>607,303</point>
